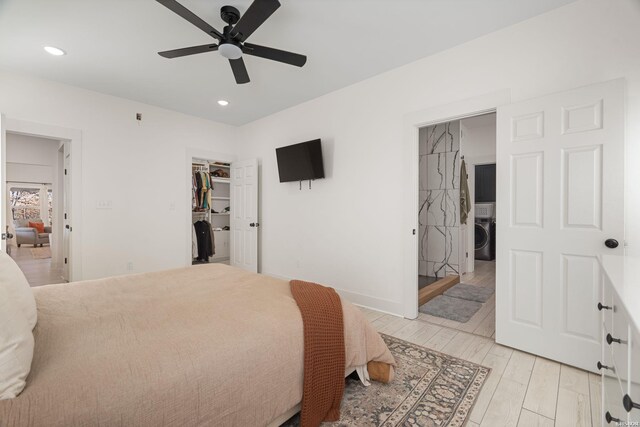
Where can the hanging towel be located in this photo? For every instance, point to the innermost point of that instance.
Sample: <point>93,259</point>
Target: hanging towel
<point>465,197</point>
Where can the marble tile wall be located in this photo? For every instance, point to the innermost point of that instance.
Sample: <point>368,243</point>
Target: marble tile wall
<point>439,199</point>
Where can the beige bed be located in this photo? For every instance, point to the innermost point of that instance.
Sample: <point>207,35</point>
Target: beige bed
<point>210,345</point>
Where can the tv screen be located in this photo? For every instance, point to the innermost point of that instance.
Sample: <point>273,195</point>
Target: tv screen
<point>300,162</point>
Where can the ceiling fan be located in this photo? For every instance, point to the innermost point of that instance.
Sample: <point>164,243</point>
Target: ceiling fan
<point>231,42</point>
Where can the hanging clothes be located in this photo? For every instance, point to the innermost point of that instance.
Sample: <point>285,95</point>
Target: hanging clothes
<point>206,186</point>
<point>204,237</point>
<point>465,196</point>
<point>209,193</point>
<point>198,188</point>
<point>201,192</point>
<point>194,243</point>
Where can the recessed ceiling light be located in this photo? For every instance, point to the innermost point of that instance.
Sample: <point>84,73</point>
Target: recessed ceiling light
<point>223,102</point>
<point>54,51</point>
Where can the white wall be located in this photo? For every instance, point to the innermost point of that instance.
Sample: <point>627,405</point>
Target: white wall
<point>347,231</point>
<point>31,159</point>
<point>139,167</point>
<point>478,147</point>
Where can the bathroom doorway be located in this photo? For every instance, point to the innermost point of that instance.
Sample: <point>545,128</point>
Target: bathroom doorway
<point>455,290</point>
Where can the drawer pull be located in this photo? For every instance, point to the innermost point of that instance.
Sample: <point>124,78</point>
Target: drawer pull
<point>601,366</point>
<point>611,339</point>
<point>609,418</point>
<point>603,307</point>
<point>629,404</point>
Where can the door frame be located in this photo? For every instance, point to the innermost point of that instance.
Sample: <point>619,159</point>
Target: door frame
<point>412,122</point>
<point>74,138</point>
<point>470,244</point>
<point>192,154</point>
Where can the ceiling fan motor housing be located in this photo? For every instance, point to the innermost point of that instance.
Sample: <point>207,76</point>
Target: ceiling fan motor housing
<point>230,14</point>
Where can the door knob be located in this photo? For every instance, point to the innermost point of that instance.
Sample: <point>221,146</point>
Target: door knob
<point>66,226</point>
<point>253,224</point>
<point>611,243</point>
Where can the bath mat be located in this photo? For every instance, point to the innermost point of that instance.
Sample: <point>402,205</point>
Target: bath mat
<point>470,292</point>
<point>429,389</point>
<point>460,310</point>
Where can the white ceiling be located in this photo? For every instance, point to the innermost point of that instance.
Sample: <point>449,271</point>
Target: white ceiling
<point>112,45</point>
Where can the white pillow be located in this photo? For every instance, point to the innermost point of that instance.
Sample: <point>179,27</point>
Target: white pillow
<point>12,280</point>
<point>16,347</point>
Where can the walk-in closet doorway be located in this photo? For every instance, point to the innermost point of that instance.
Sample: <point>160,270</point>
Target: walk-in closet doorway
<point>222,220</point>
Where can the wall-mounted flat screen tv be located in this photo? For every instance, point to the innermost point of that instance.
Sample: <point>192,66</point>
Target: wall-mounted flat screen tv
<point>300,162</point>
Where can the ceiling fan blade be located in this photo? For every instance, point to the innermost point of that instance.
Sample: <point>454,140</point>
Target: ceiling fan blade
<point>185,13</point>
<point>258,12</point>
<point>239,71</point>
<point>176,53</point>
<point>274,54</point>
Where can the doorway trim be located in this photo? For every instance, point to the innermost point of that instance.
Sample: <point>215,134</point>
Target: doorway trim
<point>412,122</point>
<point>74,138</point>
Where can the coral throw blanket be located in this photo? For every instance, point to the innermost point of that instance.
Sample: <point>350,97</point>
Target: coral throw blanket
<point>324,355</point>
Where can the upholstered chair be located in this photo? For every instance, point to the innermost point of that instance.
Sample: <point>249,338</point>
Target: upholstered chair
<point>29,235</point>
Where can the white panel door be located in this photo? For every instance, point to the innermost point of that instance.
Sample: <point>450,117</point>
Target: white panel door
<point>244,214</point>
<point>3,184</point>
<point>559,198</point>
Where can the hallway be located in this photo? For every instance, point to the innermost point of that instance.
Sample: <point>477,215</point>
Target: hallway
<point>37,271</point>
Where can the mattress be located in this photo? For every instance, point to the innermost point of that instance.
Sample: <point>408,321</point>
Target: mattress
<point>199,346</point>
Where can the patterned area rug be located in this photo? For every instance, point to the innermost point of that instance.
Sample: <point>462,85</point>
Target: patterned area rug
<point>41,253</point>
<point>429,389</point>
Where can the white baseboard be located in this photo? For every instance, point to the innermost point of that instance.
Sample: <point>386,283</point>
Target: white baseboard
<point>378,304</point>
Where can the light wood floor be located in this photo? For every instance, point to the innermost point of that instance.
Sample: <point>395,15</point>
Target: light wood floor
<point>484,321</point>
<point>37,271</point>
<point>522,389</point>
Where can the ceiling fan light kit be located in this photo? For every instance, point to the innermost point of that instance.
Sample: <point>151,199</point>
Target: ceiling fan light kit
<point>230,50</point>
<point>231,42</point>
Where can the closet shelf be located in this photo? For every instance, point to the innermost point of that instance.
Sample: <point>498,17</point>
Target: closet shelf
<point>220,198</point>
<point>221,180</point>
<point>220,214</point>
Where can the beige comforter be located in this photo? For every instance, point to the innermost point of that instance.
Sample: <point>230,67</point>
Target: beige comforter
<point>210,345</point>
